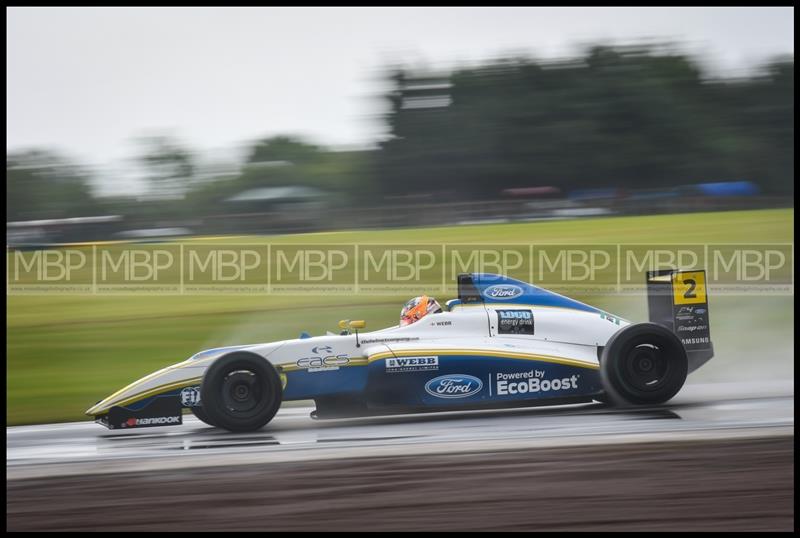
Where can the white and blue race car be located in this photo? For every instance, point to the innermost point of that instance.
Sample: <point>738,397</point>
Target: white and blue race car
<point>501,343</point>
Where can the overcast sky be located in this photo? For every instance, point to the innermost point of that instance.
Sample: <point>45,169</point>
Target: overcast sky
<point>86,81</point>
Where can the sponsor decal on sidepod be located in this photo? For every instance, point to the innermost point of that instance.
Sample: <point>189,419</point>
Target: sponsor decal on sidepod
<point>412,364</point>
<point>453,386</point>
<point>514,322</point>
<point>533,381</point>
<point>323,364</point>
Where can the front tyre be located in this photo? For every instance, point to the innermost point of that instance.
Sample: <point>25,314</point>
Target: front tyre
<point>200,413</point>
<point>643,364</point>
<point>241,392</point>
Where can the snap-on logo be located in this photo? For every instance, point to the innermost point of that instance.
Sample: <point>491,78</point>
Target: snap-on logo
<point>453,386</point>
<point>503,291</point>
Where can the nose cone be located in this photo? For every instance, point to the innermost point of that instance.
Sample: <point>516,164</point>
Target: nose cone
<point>92,411</point>
<point>95,409</point>
<point>171,378</point>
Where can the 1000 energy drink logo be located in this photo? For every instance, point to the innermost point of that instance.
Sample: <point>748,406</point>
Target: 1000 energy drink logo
<point>515,322</point>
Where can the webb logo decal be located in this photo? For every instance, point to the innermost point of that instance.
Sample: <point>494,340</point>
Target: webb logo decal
<point>412,364</point>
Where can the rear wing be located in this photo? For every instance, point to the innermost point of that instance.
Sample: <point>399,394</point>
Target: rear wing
<point>678,300</point>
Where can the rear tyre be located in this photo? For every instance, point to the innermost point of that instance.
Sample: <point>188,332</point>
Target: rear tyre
<point>643,364</point>
<point>241,392</point>
<point>200,413</point>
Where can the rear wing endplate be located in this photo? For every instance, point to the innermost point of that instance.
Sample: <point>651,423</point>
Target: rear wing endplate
<point>678,300</point>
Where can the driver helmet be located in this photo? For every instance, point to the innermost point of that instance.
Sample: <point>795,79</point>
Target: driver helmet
<point>417,308</point>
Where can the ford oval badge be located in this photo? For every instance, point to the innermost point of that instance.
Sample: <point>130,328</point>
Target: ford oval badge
<point>453,386</point>
<point>502,291</point>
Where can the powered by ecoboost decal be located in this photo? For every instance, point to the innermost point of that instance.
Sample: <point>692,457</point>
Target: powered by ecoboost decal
<point>453,386</point>
<point>515,322</point>
<point>412,364</point>
<point>532,381</point>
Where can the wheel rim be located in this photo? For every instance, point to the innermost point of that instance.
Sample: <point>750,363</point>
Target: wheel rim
<point>646,366</point>
<point>242,392</point>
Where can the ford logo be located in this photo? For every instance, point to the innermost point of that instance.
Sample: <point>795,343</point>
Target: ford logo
<point>453,386</point>
<point>503,291</point>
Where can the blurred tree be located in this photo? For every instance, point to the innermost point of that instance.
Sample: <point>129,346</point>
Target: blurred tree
<point>629,117</point>
<point>284,149</point>
<point>290,161</point>
<point>41,184</point>
<point>168,165</point>
<point>284,161</point>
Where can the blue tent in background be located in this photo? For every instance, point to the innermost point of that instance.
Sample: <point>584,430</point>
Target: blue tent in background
<point>728,188</point>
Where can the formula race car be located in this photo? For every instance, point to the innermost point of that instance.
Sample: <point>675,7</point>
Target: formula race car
<point>502,343</point>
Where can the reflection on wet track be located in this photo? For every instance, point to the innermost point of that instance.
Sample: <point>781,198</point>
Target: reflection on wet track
<point>708,411</point>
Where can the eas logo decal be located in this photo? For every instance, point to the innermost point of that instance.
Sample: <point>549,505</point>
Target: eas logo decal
<point>453,386</point>
<point>323,364</point>
<point>515,322</point>
<point>503,291</point>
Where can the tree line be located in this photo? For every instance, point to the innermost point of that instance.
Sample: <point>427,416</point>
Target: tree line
<point>624,117</point>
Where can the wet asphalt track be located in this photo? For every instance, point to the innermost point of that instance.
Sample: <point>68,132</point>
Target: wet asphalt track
<point>717,411</point>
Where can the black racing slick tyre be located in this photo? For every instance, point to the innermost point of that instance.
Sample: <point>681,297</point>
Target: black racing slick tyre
<point>241,392</point>
<point>200,413</point>
<point>643,364</point>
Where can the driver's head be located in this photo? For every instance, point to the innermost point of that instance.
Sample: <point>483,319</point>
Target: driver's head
<point>417,308</point>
